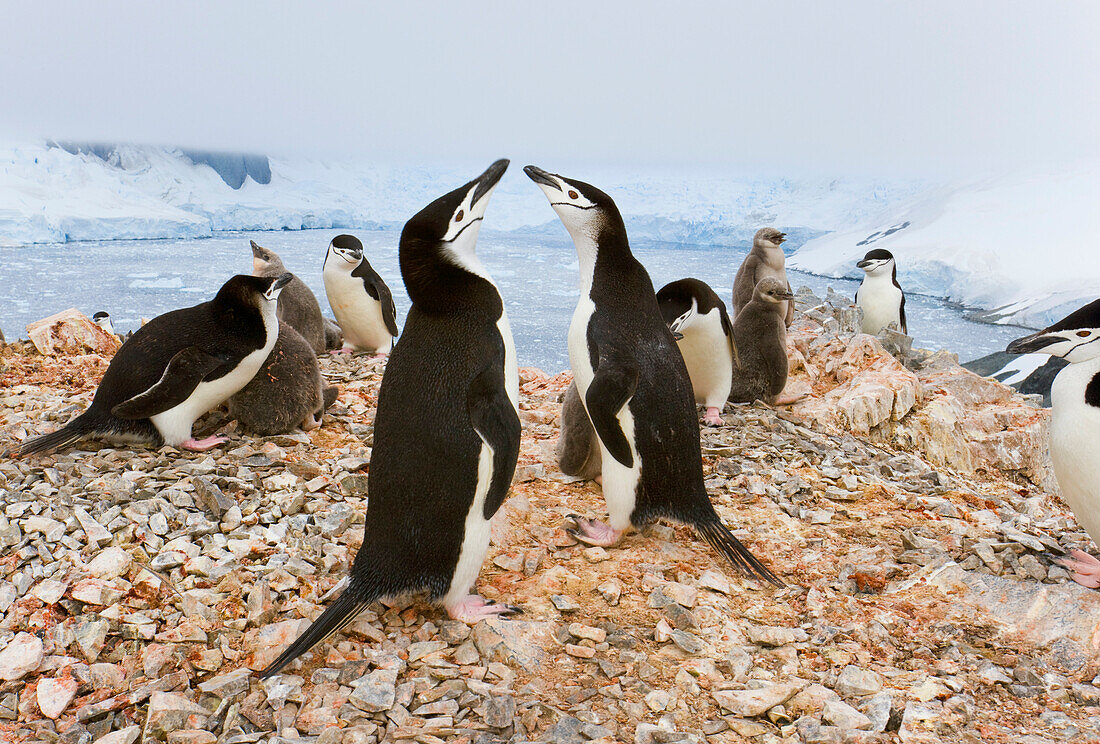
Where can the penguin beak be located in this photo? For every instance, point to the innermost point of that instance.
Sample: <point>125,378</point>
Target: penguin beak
<point>782,237</point>
<point>541,177</point>
<point>864,264</point>
<point>1033,343</point>
<point>277,285</point>
<point>677,335</point>
<point>489,179</point>
<point>257,251</point>
<point>785,296</point>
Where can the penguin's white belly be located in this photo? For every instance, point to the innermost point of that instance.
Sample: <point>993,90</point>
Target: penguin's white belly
<point>709,360</point>
<point>358,314</point>
<point>175,423</point>
<point>1075,444</point>
<point>881,305</point>
<point>475,535</point>
<point>620,483</point>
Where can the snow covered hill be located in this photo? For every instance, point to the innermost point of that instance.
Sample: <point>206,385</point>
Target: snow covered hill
<point>1026,248</point>
<point>49,194</point>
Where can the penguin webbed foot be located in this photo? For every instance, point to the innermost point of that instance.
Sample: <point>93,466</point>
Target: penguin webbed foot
<point>1083,568</point>
<point>342,351</point>
<point>473,608</point>
<point>713,417</point>
<point>593,532</point>
<point>202,445</point>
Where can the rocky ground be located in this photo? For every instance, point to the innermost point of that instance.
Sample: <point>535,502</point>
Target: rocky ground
<point>906,504</point>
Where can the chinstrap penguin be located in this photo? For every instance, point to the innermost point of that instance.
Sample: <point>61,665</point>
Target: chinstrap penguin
<point>360,300</point>
<point>703,331</point>
<point>1075,423</point>
<point>760,335</point>
<point>633,383</point>
<point>765,259</point>
<point>578,447</point>
<point>879,296</point>
<point>287,393</point>
<point>103,320</point>
<point>447,430</point>
<point>176,368</point>
<point>297,304</point>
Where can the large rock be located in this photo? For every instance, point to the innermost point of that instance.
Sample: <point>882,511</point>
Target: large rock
<point>171,712</point>
<point>54,695</point>
<point>520,642</point>
<point>71,332</point>
<point>748,703</point>
<point>20,657</point>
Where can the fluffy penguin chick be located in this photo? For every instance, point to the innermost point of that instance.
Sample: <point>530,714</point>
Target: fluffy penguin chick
<point>578,447</point>
<point>297,304</point>
<point>879,295</point>
<point>760,334</point>
<point>360,300</point>
<point>633,383</point>
<point>446,435</point>
<point>702,329</point>
<point>1075,423</point>
<point>177,367</point>
<point>766,259</point>
<point>287,392</point>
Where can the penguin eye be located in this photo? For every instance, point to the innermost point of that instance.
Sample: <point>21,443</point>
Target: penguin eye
<point>458,217</point>
<point>573,194</point>
<point>1084,334</point>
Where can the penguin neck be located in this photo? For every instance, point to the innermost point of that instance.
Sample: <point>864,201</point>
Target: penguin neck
<point>586,260</point>
<point>438,285</point>
<point>773,257</point>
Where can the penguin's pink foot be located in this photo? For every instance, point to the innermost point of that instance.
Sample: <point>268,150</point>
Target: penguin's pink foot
<point>786,400</point>
<point>713,417</point>
<point>593,532</point>
<point>474,607</point>
<point>379,355</point>
<point>345,350</point>
<point>201,445</point>
<point>1083,568</point>
<point>312,422</point>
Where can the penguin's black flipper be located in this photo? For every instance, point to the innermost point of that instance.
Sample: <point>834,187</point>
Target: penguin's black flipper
<point>901,312</point>
<point>336,616</point>
<point>378,290</point>
<point>727,328</point>
<point>612,386</point>
<point>180,378</point>
<point>496,422</point>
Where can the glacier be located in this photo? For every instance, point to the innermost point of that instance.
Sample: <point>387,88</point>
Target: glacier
<point>1025,248</point>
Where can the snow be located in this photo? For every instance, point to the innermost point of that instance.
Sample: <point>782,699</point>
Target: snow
<point>1025,247</point>
<point>49,194</point>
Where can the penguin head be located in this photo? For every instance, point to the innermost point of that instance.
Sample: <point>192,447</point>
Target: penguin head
<point>768,238</point>
<point>877,262</point>
<point>450,224</point>
<point>264,260</point>
<point>587,213</point>
<point>771,291</point>
<point>103,320</point>
<point>252,291</point>
<point>347,250</point>
<point>1075,338</point>
<point>678,306</point>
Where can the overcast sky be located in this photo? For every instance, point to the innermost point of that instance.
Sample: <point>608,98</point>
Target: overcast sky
<point>844,87</point>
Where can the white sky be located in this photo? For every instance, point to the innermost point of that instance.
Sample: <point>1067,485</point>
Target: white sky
<point>870,86</point>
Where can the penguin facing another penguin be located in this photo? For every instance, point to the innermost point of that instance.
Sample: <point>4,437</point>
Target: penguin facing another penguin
<point>1075,423</point>
<point>360,300</point>
<point>760,335</point>
<point>703,331</point>
<point>177,367</point>
<point>633,383</point>
<point>879,296</point>
<point>765,259</point>
<point>447,429</point>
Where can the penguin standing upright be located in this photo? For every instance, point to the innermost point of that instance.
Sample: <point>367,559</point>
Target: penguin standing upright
<point>765,259</point>
<point>297,305</point>
<point>360,300</point>
<point>177,367</point>
<point>446,435</point>
<point>633,383</point>
<point>703,331</point>
<point>103,320</point>
<point>1075,422</point>
<point>879,296</point>
<point>760,333</point>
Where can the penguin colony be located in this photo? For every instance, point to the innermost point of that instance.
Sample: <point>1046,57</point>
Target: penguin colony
<point>447,429</point>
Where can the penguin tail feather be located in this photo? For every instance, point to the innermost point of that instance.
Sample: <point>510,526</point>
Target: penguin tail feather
<point>722,540</point>
<point>67,435</point>
<point>336,616</point>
